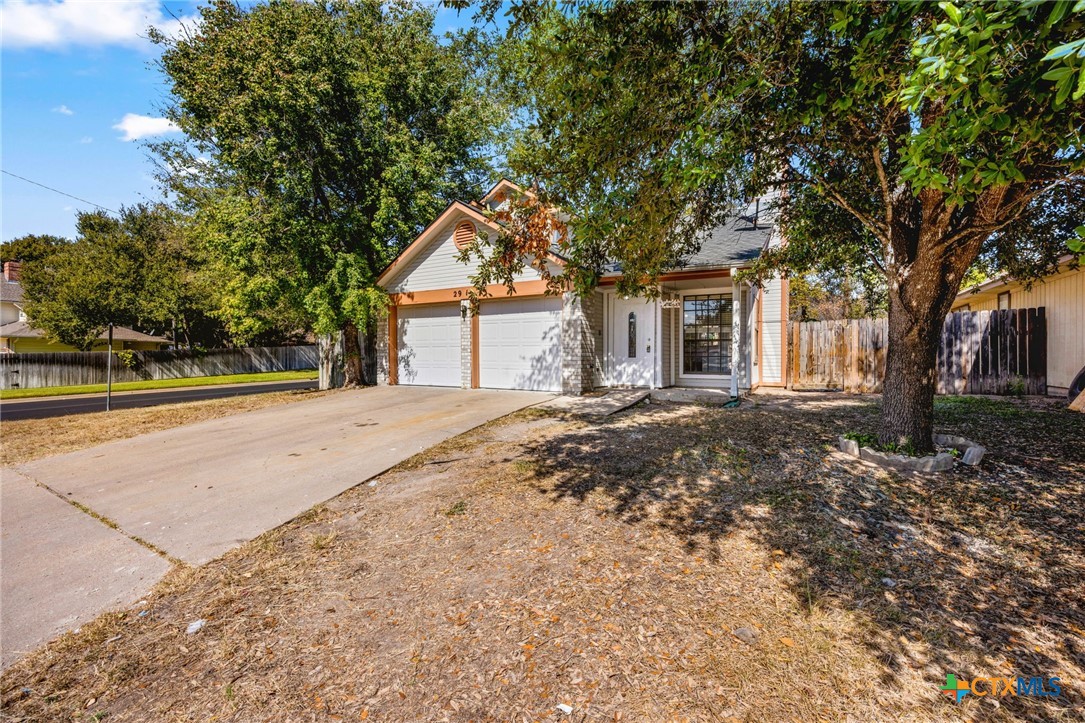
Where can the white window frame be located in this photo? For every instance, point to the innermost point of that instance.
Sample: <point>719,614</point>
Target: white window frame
<point>725,290</point>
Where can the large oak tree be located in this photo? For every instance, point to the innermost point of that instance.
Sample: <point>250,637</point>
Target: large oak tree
<point>907,137</point>
<point>321,137</point>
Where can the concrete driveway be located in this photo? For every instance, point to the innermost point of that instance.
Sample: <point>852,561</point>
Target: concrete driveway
<point>195,492</point>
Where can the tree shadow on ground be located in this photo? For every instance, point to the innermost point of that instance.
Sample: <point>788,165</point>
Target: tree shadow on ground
<point>984,566</point>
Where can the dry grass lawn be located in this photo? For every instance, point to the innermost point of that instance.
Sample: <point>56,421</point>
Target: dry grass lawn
<point>26,439</point>
<point>543,561</point>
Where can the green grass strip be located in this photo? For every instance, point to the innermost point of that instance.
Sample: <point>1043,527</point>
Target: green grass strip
<point>159,384</point>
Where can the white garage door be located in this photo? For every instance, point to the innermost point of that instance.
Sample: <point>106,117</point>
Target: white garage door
<point>429,345</point>
<point>520,344</point>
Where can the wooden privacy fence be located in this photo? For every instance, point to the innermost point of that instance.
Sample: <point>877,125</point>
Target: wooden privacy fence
<point>33,371</point>
<point>980,352</point>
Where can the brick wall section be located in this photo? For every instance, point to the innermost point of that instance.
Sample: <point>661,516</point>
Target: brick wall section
<point>581,321</point>
<point>465,344</point>
<point>591,334</point>
<point>382,349</point>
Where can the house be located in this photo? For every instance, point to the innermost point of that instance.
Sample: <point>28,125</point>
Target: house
<point>17,335</point>
<point>1062,294</point>
<point>704,329</point>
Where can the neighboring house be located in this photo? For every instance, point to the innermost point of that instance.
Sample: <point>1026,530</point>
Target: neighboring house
<point>18,336</point>
<point>705,330</point>
<point>1062,295</point>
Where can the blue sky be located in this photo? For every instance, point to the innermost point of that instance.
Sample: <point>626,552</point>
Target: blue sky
<point>79,97</point>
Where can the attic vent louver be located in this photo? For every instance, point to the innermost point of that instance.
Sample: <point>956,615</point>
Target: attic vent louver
<point>464,234</point>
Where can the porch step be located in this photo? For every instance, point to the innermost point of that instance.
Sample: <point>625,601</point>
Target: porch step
<point>601,406</point>
<point>691,395</point>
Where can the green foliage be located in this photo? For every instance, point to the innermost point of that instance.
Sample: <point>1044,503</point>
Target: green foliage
<point>130,270</point>
<point>31,248</point>
<point>128,358</point>
<point>651,123</point>
<point>321,139</point>
<point>896,138</point>
<point>864,439</point>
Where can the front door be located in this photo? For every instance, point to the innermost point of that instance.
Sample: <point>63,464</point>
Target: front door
<point>632,346</point>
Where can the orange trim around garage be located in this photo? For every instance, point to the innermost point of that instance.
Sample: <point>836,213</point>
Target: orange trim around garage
<point>393,345</point>
<point>474,352</point>
<point>493,291</point>
<point>677,276</point>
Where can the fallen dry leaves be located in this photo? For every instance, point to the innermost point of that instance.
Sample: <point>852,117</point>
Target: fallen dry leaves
<point>605,568</point>
<point>26,439</point>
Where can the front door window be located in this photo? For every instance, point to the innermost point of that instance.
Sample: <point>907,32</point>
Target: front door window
<point>632,335</point>
<point>706,334</point>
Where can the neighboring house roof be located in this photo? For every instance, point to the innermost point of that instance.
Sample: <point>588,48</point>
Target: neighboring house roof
<point>22,330</point>
<point>1004,279</point>
<point>11,291</point>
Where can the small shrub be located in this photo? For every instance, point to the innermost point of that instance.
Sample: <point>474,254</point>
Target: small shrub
<point>1016,388</point>
<point>871,440</point>
<point>129,359</point>
<point>459,508</point>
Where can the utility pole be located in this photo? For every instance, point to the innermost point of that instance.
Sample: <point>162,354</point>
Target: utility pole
<point>109,369</point>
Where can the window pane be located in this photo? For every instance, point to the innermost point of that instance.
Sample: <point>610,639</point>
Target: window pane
<point>632,335</point>
<point>706,334</point>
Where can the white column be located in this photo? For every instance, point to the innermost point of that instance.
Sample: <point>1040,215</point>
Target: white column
<point>736,332</point>
<point>657,371</point>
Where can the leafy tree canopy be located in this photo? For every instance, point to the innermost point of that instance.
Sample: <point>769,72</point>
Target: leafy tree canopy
<point>909,136</point>
<point>321,139</point>
<point>130,270</point>
<point>31,248</point>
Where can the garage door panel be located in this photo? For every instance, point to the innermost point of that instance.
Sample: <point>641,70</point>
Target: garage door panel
<point>429,345</point>
<point>520,345</point>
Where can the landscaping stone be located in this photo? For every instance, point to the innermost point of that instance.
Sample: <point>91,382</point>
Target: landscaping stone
<point>971,453</point>
<point>936,463</point>
<point>746,635</point>
<point>849,446</point>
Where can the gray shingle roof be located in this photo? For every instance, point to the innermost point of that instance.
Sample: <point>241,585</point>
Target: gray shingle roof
<point>735,243</point>
<point>11,291</point>
<point>22,330</point>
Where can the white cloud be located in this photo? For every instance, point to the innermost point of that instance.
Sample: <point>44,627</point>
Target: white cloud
<point>86,139</point>
<point>137,126</point>
<point>63,110</point>
<point>61,24</point>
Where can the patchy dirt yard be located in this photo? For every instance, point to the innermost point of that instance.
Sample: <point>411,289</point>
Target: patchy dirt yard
<point>669,563</point>
<point>27,439</point>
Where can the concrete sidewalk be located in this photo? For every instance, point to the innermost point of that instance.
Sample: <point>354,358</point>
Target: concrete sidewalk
<point>197,491</point>
<point>61,567</point>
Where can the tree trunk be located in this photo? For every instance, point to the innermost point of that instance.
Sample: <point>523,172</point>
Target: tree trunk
<point>353,368</point>
<point>921,293</point>
<point>908,392</point>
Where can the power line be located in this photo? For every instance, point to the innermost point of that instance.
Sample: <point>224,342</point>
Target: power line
<point>49,188</point>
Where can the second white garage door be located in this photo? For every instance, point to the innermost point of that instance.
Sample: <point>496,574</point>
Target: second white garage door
<point>520,344</point>
<point>429,345</point>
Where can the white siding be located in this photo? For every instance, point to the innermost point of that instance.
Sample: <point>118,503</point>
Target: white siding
<point>667,346</point>
<point>772,332</point>
<point>436,267</point>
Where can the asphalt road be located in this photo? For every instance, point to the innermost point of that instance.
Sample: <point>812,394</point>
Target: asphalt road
<point>41,408</point>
